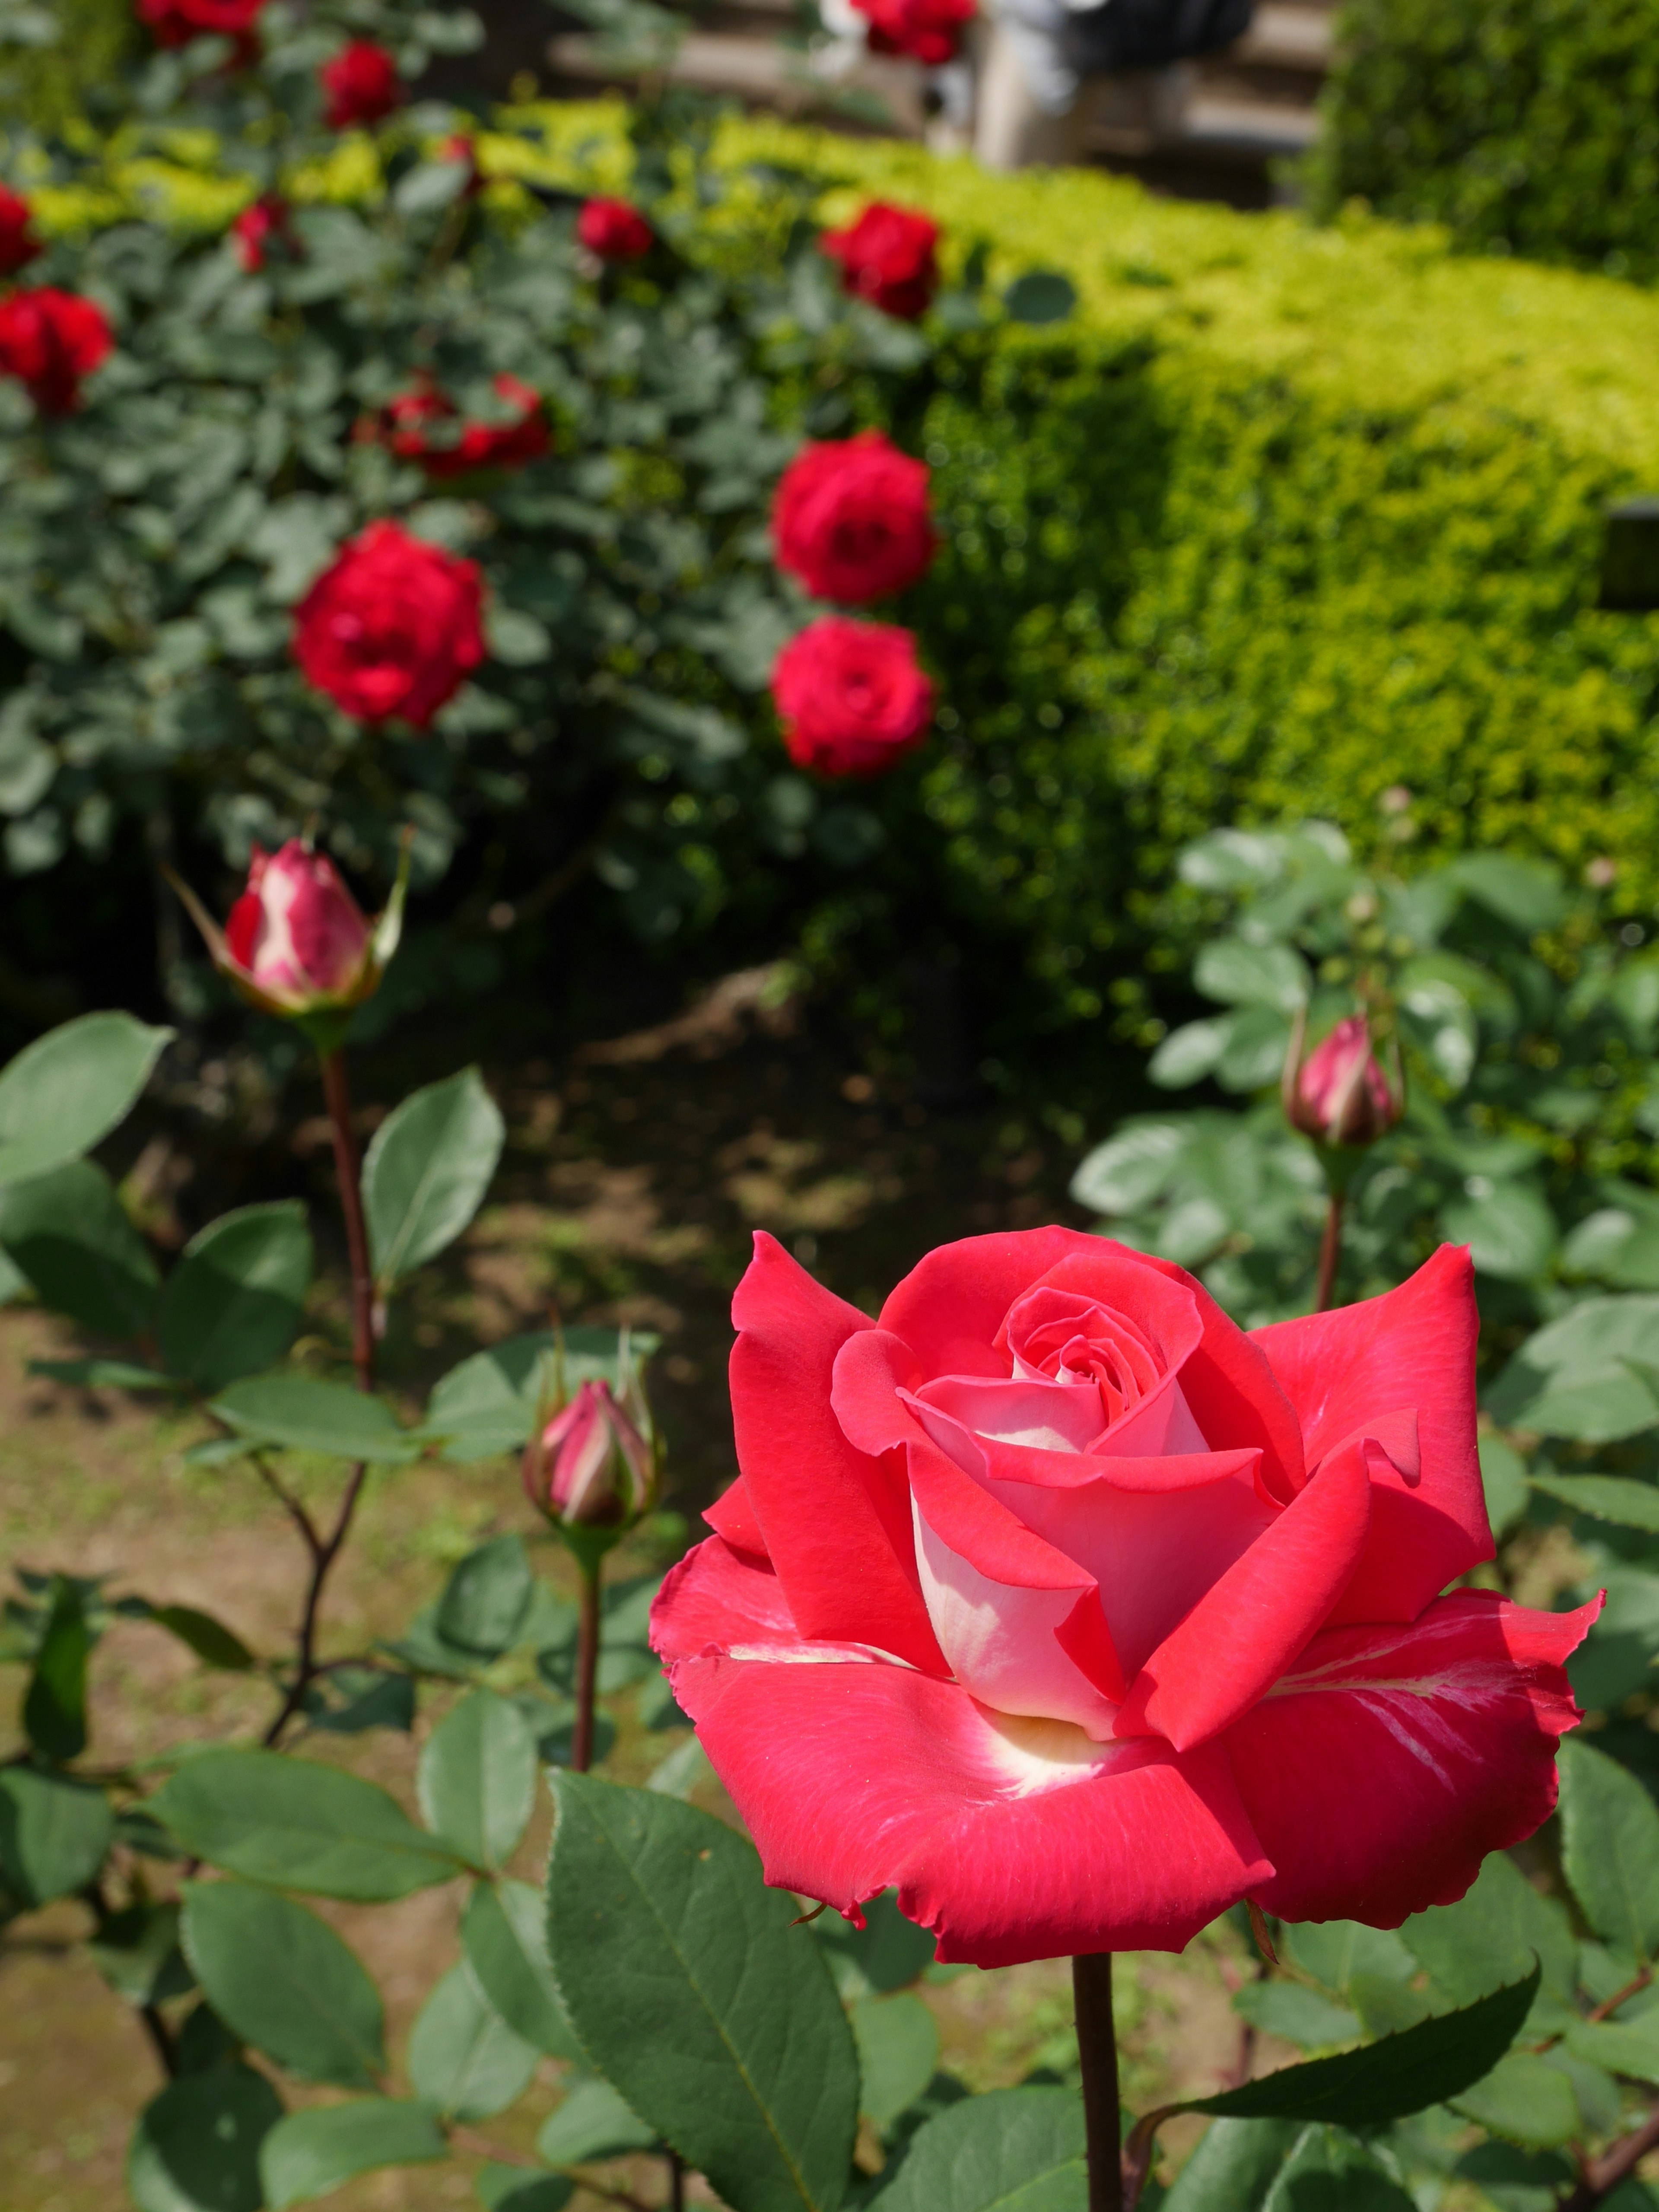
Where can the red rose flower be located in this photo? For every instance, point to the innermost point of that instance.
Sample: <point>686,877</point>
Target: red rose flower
<point>592,1467</point>
<point>18,243</point>
<point>392,627</point>
<point>49,340</point>
<point>850,518</point>
<point>176,22</point>
<point>361,85</point>
<point>614,230</point>
<point>412,415</point>
<point>1118,1615</point>
<point>260,226</point>
<point>850,697</point>
<point>929,31</point>
<point>460,148</point>
<point>887,257</point>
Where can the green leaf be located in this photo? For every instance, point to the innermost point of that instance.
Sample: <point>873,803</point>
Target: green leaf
<point>53,1833</point>
<point>214,1644</point>
<point>1131,1169</point>
<point>1492,1936</point>
<point>68,1089</point>
<point>277,1819</point>
<point>1503,1478</point>
<point>487,1599</point>
<point>897,2040</point>
<point>196,2147</point>
<point>426,1172</point>
<point>464,2060</point>
<point>1580,1375</point>
<point>888,1952</point>
<point>1041,295</point>
<point>81,1255</point>
<point>234,1302</point>
<point>502,1935</point>
<point>594,2122</point>
<point>284,1982</point>
<point>1233,2167</point>
<point>1329,2172</point>
<point>1526,894</point>
<point>1240,975</point>
<point>298,1414</point>
<point>55,1705</point>
<point>1403,2073</point>
<point>1524,2099</point>
<point>1511,1232</point>
<point>687,1985</point>
<point>1190,1052</point>
<point>1630,2048</point>
<point>1015,2150</point>
<point>1610,1848</point>
<point>1615,1497</point>
<point>101,1375</point>
<point>511,2188</point>
<point>1300,2015</point>
<point>1335,1952</point>
<point>489,1403</point>
<point>478,1778</point>
<point>137,1952</point>
<point>307,2154</point>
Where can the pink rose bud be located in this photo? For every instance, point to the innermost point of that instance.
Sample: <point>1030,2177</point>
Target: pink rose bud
<point>593,1467</point>
<point>1338,1094</point>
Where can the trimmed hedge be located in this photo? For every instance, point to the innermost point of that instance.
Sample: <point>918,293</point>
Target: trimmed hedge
<point>1527,126</point>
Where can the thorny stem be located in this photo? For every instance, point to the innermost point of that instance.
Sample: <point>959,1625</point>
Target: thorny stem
<point>1096,2044</point>
<point>587,1665</point>
<point>1601,2176</point>
<point>1330,1254</point>
<point>306,1667</point>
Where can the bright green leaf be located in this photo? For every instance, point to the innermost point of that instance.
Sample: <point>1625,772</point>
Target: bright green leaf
<point>234,1302</point>
<point>307,2154</point>
<point>296,1413</point>
<point>463,2060</point>
<point>53,1833</point>
<point>1524,2099</point>
<point>1615,1497</point>
<point>487,1599</point>
<point>594,2122</point>
<point>426,1172</point>
<point>1233,2167</point>
<point>55,1703</point>
<point>1610,1847</point>
<point>284,1982</point>
<point>1015,2150</point>
<point>1299,2015</point>
<point>1503,1478</point>
<point>897,2040</point>
<point>196,2147</point>
<point>478,1778</point>
<point>68,1089</point>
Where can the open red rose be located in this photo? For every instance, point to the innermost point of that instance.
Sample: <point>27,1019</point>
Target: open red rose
<point>392,627</point>
<point>49,340</point>
<point>928,31</point>
<point>614,230</point>
<point>412,417</point>
<point>888,257</point>
<point>1056,1601</point>
<point>176,22</point>
<point>361,85</point>
<point>851,699</point>
<point>18,243</point>
<point>850,518</point>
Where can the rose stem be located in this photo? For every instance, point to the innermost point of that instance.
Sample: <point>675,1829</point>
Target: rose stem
<point>1330,1252</point>
<point>675,2182</point>
<point>1096,2045</point>
<point>587,1664</point>
<point>338,1097</point>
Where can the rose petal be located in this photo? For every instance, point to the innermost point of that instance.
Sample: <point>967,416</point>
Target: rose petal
<point>1384,1767</point>
<point>733,1515</point>
<point>717,1600</point>
<point>951,1305</point>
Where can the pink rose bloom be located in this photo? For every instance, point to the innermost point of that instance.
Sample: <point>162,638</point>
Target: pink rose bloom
<point>1055,1599</point>
<point>593,1468</point>
<point>296,933</point>
<point>1339,1094</point>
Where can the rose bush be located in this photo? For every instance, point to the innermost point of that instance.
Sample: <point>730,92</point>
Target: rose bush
<point>1059,1603</point>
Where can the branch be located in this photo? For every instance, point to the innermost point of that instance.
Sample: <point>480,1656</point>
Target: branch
<point>1603,2175</point>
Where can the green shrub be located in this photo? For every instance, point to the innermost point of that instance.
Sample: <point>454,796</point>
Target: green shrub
<point>52,55</point>
<point>1525,126</point>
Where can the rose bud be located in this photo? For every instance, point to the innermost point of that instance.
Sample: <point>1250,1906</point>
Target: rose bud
<point>850,518</point>
<point>614,231</point>
<point>49,340</point>
<point>295,943</point>
<point>506,445</point>
<point>393,627</point>
<point>460,148</point>
<point>18,243</point>
<point>590,1468</point>
<point>1338,1095</point>
<point>361,85</point>
<point>176,22</point>
<point>928,31</point>
<point>887,257</point>
<point>259,227</point>
<point>850,697</point>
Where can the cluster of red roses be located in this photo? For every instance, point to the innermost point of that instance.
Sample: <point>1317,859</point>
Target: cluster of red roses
<point>850,520</point>
<point>928,31</point>
<point>361,84</point>
<point>49,340</point>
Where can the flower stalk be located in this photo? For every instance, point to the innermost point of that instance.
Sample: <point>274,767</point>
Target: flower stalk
<point>1096,2045</point>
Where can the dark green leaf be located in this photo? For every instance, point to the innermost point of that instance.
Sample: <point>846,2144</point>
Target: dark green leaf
<point>1615,1497</point>
<point>137,1952</point>
<point>284,1980</point>
<point>897,2041</point>
<point>478,1778</point>
<point>1015,2150</point>
<point>101,1374</point>
<point>463,2060</point>
<point>307,2154</point>
<point>1518,2180</point>
<point>511,2188</point>
<point>426,1172</point>
<point>487,1599</point>
<point>294,1822</point>
<point>53,1833</point>
<point>369,1698</point>
<point>69,1088</point>
<point>1491,1936</point>
<point>1233,2167</point>
<point>1041,295</point>
<point>196,2147</point>
<point>594,2122</point>
<point>214,1644</point>
<point>888,1952</point>
<point>234,1303</point>
<point>83,1257</point>
<point>1329,2172</point>
<point>1424,2065</point>
<point>1610,1848</point>
<point>714,2018</point>
<point>297,1414</point>
<point>503,1933</point>
<point>55,1705</point>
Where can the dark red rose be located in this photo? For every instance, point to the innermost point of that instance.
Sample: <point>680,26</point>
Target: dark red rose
<point>850,518</point>
<point>412,416</point>
<point>392,627</point>
<point>18,243</point>
<point>929,31</point>
<point>49,340</point>
<point>614,230</point>
<point>850,696</point>
<point>176,22</point>
<point>259,227</point>
<point>360,85</point>
<point>887,258</point>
